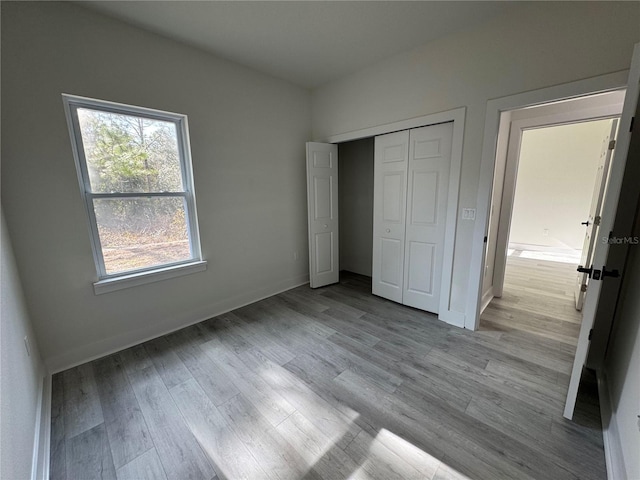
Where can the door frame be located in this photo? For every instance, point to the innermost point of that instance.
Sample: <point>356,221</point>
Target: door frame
<point>507,195</point>
<point>495,108</point>
<point>457,116</point>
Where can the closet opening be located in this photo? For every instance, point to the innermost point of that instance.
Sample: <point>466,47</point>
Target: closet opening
<point>355,205</point>
<point>342,188</point>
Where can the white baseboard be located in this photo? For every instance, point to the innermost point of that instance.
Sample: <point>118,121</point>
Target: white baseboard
<point>107,346</point>
<point>42,438</point>
<point>612,447</point>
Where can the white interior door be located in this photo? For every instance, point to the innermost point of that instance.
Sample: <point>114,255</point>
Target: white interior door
<point>609,212</point>
<point>389,203</point>
<point>594,213</point>
<point>322,204</point>
<point>427,193</point>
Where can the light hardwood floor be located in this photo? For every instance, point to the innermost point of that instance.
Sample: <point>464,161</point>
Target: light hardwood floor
<point>335,383</point>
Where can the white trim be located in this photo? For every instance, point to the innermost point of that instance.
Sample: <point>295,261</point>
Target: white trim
<point>148,276</point>
<point>42,438</point>
<point>612,445</point>
<point>457,116</point>
<point>486,300</point>
<point>107,346</point>
<point>122,108</point>
<point>422,121</point>
<point>600,84</point>
<point>35,454</point>
<point>575,116</point>
<point>507,197</point>
<point>445,312</point>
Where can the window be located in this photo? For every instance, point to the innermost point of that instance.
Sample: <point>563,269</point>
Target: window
<point>134,168</point>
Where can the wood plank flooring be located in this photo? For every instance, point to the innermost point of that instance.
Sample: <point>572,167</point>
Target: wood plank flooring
<point>335,383</point>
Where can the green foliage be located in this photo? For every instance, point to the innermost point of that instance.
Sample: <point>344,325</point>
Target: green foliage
<point>128,154</point>
<point>121,164</point>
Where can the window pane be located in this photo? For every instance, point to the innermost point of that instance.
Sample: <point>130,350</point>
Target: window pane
<point>126,153</point>
<point>142,232</point>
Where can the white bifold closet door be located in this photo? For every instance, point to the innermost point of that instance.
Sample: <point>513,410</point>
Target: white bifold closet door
<point>322,204</point>
<point>391,157</point>
<point>410,206</point>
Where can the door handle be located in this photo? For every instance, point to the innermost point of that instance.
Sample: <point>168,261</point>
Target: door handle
<point>325,225</point>
<point>588,271</point>
<point>388,230</point>
<point>595,274</point>
<point>585,223</point>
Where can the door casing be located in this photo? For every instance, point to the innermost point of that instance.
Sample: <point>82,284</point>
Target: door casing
<point>495,108</point>
<point>507,193</point>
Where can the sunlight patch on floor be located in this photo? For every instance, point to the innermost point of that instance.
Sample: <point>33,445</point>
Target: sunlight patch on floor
<point>390,452</point>
<point>568,257</point>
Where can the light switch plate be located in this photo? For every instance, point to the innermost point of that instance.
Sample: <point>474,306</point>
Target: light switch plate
<point>468,214</point>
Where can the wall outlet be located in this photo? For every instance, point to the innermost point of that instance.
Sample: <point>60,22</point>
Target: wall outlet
<point>27,345</point>
<point>468,214</point>
<point>545,232</point>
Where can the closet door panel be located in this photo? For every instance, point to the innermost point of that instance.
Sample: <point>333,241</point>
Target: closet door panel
<point>322,206</point>
<point>393,197</point>
<point>391,268</point>
<point>389,213</point>
<point>424,192</point>
<point>427,189</point>
<point>420,259</point>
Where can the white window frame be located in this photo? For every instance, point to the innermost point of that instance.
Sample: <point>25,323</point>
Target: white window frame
<point>117,281</point>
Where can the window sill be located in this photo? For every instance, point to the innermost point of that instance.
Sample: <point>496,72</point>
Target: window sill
<point>142,278</point>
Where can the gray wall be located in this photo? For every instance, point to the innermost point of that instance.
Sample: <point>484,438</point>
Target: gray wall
<point>248,132</point>
<point>21,376</point>
<point>622,365</point>
<point>544,44</point>
<point>355,177</point>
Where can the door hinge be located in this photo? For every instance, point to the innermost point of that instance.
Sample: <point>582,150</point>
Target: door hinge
<point>583,287</point>
<point>596,220</point>
<point>590,333</point>
<point>612,144</point>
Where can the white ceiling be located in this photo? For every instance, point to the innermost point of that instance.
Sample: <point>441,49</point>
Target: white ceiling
<point>307,43</point>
